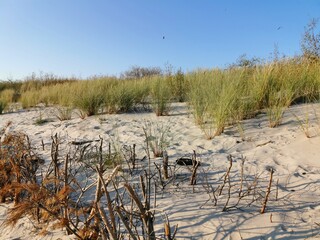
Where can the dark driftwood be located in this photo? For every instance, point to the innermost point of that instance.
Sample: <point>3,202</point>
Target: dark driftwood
<point>165,164</point>
<point>77,143</point>
<point>184,161</point>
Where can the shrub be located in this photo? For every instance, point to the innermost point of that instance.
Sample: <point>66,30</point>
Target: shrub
<point>310,43</point>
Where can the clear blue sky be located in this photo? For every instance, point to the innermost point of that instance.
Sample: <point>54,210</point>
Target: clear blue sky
<point>89,37</point>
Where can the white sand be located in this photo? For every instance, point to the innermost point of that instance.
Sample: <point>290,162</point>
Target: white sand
<point>295,158</point>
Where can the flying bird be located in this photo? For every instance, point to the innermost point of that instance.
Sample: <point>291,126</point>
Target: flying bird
<point>279,27</point>
<point>163,37</point>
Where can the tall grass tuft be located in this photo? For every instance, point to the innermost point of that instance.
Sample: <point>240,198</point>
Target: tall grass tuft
<point>119,98</point>
<point>178,86</point>
<point>88,97</point>
<point>160,95</point>
<point>6,97</point>
<point>212,96</point>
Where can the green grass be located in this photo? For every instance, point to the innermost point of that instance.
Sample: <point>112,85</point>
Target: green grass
<point>6,97</point>
<point>216,97</point>
<point>89,97</point>
<point>160,95</point>
<point>222,97</point>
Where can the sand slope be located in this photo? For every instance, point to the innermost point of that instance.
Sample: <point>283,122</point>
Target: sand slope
<point>293,156</point>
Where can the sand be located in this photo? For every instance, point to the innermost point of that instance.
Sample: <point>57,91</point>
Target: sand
<point>295,214</point>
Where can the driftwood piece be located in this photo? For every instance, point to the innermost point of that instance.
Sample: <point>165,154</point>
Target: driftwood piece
<point>195,165</point>
<point>77,143</point>
<point>165,164</point>
<point>226,176</point>
<point>264,205</point>
<point>185,161</point>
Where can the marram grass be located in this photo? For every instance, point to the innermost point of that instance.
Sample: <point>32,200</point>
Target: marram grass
<point>217,97</point>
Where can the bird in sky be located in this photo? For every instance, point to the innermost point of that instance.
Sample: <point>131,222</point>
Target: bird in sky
<point>279,27</point>
<point>163,37</point>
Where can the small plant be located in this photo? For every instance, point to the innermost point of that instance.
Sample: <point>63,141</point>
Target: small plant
<point>305,122</point>
<point>40,120</point>
<point>275,114</point>
<point>63,113</point>
<point>157,137</point>
<point>241,130</point>
<point>275,110</point>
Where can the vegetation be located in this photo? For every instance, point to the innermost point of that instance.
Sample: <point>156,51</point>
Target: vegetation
<point>136,72</point>
<point>217,97</point>
<point>310,43</point>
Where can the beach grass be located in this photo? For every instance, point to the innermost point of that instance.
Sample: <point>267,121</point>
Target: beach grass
<point>217,97</point>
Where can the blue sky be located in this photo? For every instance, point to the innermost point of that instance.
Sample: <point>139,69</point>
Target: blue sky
<point>92,37</point>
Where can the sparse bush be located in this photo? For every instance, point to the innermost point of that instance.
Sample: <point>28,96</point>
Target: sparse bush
<point>137,72</point>
<point>310,43</point>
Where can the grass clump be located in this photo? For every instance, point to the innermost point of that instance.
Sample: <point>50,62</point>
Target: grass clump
<point>157,137</point>
<point>88,97</point>
<point>119,98</point>
<point>178,86</point>
<point>160,95</point>
<point>63,113</point>
<point>6,97</point>
<point>2,106</point>
<point>222,97</point>
<point>212,97</point>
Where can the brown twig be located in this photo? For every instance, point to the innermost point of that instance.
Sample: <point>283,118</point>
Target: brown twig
<point>277,190</point>
<point>125,223</point>
<point>226,175</point>
<point>195,165</point>
<point>229,195</point>
<point>165,164</point>
<point>242,173</point>
<point>263,209</point>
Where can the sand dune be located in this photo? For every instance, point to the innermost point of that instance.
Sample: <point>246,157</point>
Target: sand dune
<point>293,156</point>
